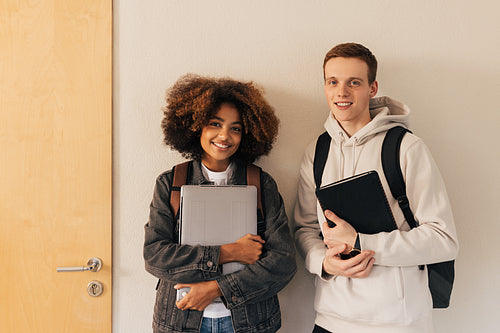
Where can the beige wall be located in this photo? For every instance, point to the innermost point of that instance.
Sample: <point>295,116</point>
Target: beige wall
<point>440,57</point>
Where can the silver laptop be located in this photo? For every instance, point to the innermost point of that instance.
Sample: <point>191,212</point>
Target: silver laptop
<point>217,215</point>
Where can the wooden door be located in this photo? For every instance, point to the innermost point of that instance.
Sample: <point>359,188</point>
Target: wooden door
<point>55,163</point>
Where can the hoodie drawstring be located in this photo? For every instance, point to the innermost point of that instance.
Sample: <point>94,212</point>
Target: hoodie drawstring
<point>341,157</point>
<point>354,155</point>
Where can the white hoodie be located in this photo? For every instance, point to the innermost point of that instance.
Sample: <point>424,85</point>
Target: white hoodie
<point>395,296</point>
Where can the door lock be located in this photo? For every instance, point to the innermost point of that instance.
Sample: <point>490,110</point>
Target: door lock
<point>94,288</point>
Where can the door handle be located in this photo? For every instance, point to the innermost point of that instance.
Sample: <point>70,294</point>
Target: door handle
<point>93,265</point>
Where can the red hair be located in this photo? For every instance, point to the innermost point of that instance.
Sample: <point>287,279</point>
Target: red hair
<point>353,50</point>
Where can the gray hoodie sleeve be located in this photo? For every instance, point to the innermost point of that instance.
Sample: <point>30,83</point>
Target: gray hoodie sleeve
<point>435,239</point>
<point>305,224</point>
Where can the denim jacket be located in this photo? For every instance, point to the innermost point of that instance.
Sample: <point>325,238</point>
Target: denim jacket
<point>250,294</point>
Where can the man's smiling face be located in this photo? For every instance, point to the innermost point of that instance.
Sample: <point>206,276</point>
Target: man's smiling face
<point>348,92</point>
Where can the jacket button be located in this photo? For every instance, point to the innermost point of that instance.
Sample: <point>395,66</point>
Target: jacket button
<point>210,264</point>
<point>234,298</point>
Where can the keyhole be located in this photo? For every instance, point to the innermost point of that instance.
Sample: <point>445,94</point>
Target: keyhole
<point>94,288</point>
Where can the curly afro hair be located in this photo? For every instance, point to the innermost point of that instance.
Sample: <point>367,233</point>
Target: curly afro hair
<point>193,100</point>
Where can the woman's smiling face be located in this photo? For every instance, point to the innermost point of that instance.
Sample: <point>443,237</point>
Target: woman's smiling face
<point>221,138</point>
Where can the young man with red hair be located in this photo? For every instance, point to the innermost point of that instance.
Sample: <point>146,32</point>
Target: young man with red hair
<point>382,288</point>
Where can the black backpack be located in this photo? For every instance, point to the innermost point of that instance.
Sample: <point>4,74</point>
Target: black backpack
<point>440,275</point>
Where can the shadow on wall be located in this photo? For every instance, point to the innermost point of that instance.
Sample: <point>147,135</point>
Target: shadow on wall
<point>454,111</point>
<point>302,121</point>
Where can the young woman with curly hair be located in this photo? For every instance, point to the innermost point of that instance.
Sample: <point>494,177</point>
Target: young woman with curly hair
<point>222,125</point>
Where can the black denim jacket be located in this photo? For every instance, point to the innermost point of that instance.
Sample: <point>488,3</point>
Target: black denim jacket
<point>250,294</point>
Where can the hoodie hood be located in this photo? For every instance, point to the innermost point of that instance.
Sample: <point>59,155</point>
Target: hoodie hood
<point>385,112</point>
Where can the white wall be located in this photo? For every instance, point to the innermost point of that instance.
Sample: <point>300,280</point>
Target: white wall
<point>442,58</point>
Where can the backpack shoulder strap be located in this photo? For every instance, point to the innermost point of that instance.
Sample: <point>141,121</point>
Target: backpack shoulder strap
<point>440,275</point>
<point>392,170</point>
<point>320,156</point>
<point>180,178</point>
<point>253,178</point>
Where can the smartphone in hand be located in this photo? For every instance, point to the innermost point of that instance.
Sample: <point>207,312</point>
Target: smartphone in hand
<point>182,292</point>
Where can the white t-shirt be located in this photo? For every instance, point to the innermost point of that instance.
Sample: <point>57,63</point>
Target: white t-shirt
<point>217,309</point>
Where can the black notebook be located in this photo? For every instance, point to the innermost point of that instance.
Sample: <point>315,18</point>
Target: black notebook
<point>361,201</point>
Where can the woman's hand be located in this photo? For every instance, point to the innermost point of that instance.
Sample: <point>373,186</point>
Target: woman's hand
<point>200,295</point>
<point>246,250</point>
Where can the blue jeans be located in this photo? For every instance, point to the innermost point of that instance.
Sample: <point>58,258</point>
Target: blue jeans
<point>216,325</point>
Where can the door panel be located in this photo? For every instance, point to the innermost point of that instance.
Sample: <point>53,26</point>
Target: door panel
<point>55,164</point>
